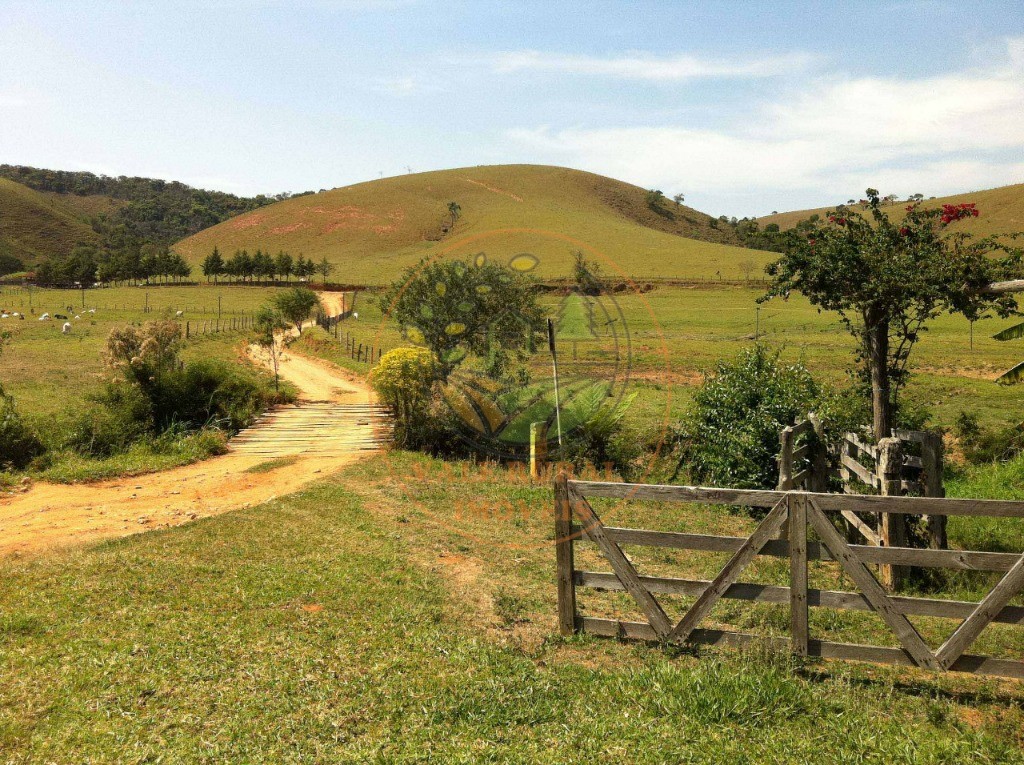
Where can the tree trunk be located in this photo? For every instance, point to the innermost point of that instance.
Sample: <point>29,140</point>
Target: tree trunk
<point>877,330</point>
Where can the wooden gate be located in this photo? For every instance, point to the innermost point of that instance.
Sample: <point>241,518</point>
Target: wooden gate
<point>576,520</point>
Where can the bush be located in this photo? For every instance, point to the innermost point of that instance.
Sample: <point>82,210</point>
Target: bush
<point>730,436</point>
<point>208,393</point>
<point>119,417</point>
<point>404,379</point>
<point>980,444</point>
<point>19,444</point>
<point>599,440</point>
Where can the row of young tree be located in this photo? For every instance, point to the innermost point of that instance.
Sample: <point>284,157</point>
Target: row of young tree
<point>242,266</point>
<point>88,264</point>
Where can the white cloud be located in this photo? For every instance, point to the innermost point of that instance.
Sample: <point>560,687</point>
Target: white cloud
<point>837,136</point>
<point>642,66</point>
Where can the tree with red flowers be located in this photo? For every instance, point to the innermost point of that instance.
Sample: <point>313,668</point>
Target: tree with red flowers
<point>886,279</point>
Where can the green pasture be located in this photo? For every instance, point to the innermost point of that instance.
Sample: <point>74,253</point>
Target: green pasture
<point>404,611</point>
<point>667,338</point>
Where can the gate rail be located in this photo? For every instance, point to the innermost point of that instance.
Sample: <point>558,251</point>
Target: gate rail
<point>576,520</point>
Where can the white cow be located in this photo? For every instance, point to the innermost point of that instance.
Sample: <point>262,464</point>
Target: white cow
<point>44,317</point>
<point>66,329</point>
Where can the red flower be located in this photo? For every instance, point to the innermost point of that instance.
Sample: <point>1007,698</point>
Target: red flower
<point>952,213</point>
<point>904,231</point>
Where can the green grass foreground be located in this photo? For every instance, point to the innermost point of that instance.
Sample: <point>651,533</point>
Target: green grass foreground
<point>382,616</point>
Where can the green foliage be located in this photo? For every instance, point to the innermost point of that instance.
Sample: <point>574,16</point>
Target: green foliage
<point>980,445</point>
<point>458,310</point>
<point>19,444</point>
<point>118,417</point>
<point>599,440</point>
<point>296,304</point>
<point>730,436</point>
<point>404,379</point>
<point>887,279</point>
<point>587,275</point>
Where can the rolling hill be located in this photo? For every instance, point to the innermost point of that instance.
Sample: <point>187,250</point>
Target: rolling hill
<point>1002,211</point>
<point>34,226</point>
<point>372,230</point>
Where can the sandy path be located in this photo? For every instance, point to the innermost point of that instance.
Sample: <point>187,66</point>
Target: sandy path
<point>50,516</point>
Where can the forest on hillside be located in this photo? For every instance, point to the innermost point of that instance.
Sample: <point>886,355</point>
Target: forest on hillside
<point>148,215</point>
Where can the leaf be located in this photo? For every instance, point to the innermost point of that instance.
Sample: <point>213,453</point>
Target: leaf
<point>1010,333</point>
<point>1012,376</point>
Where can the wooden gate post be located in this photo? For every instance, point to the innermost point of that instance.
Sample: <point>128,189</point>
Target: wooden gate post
<point>564,556</point>
<point>798,573</point>
<point>892,526</point>
<point>786,439</point>
<point>931,486</point>
<point>818,477</point>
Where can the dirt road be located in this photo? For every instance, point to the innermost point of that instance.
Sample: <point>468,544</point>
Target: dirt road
<point>332,426</point>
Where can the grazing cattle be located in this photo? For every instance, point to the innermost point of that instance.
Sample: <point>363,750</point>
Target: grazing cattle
<point>44,317</point>
<point>60,316</point>
<point>92,310</point>
<point>179,313</point>
<point>66,329</point>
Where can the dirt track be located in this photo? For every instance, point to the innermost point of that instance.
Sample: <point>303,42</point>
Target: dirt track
<point>50,516</point>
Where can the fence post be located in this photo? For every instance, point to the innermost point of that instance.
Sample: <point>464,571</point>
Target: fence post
<point>798,573</point>
<point>931,486</point>
<point>786,439</point>
<point>186,330</point>
<point>818,477</point>
<point>564,557</point>
<point>892,526</point>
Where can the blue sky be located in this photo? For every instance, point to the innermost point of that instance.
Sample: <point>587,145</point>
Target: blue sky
<point>746,107</point>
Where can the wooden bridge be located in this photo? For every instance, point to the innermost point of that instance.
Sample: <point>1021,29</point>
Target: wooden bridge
<point>321,428</point>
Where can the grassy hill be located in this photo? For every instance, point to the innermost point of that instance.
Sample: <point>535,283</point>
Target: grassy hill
<point>34,226</point>
<point>1002,211</point>
<point>371,230</point>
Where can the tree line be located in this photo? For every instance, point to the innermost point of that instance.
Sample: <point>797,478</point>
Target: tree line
<point>241,266</point>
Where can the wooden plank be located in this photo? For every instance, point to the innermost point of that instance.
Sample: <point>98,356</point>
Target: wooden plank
<point>619,563</point>
<point>767,593</point>
<point>964,635</point>
<point>911,435</point>
<point>564,556</point>
<point>871,589</point>
<point>768,528</point>
<point>863,474</point>
<point>981,665</point>
<point>909,460</point>
<point>798,573</point>
<point>672,493</point>
<point>964,560</point>
<point>802,476</point>
<point>869,449</point>
<point>863,503</point>
<point>868,503</point>
<point>785,459</point>
<point>802,428</point>
<point>801,452</point>
<point>866,531</point>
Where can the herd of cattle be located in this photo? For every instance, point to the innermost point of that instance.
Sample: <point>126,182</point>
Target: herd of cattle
<point>66,329</point>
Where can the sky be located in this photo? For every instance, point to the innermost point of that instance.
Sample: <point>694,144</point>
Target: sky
<point>744,107</point>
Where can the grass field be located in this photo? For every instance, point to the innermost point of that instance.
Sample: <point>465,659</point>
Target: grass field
<point>383,617</point>
<point>34,225</point>
<point>372,230</point>
<point>52,375</point>
<point>1002,211</point>
<point>677,333</point>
